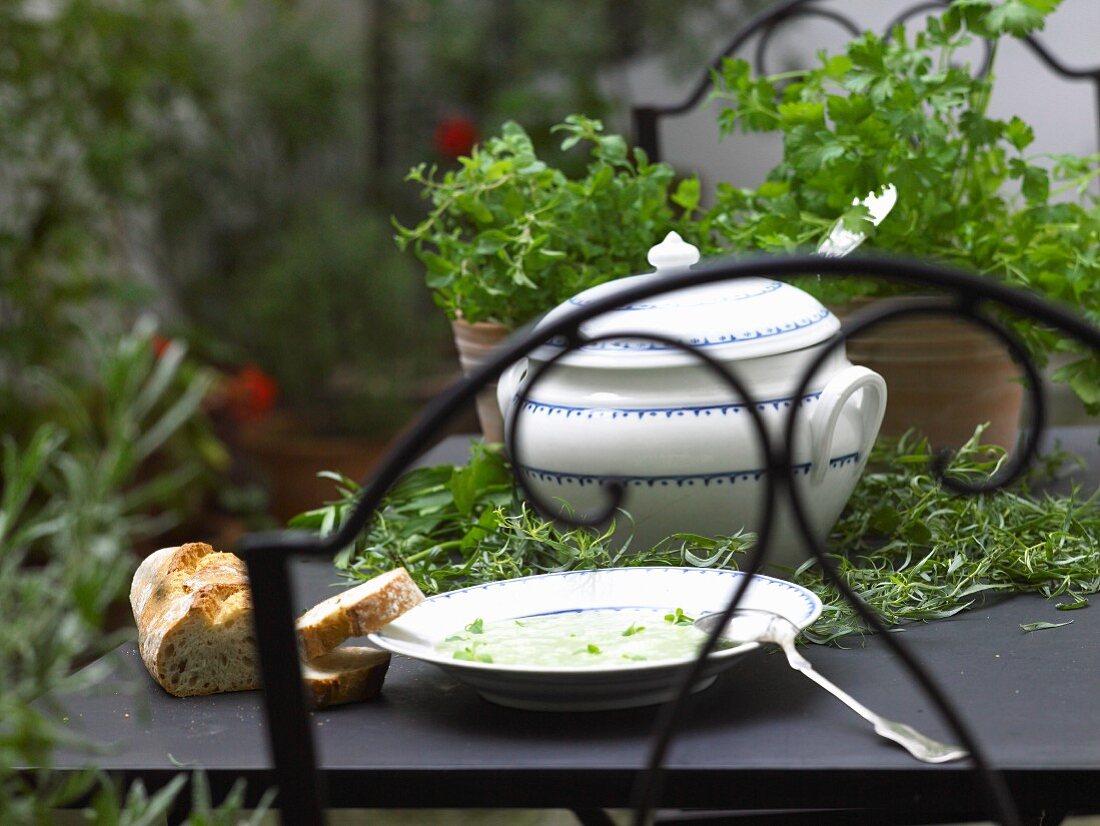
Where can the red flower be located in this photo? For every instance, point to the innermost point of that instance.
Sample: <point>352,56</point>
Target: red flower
<point>160,344</point>
<point>454,137</point>
<point>250,394</point>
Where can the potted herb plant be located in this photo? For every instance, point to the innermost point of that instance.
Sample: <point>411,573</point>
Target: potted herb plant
<point>901,110</point>
<point>508,237</point>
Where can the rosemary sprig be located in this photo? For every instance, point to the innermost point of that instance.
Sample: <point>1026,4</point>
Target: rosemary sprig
<point>452,527</point>
<point>912,550</point>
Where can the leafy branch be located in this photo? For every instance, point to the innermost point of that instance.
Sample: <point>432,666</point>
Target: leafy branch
<point>910,549</point>
<point>506,236</point>
<point>899,110</point>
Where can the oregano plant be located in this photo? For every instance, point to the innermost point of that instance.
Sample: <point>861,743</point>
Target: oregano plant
<point>905,109</point>
<point>507,236</point>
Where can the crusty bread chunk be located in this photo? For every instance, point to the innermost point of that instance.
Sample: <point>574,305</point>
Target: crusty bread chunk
<point>195,627</point>
<point>356,612</point>
<point>345,675</point>
<point>194,617</point>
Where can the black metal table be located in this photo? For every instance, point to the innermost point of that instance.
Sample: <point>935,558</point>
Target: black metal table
<point>761,738</point>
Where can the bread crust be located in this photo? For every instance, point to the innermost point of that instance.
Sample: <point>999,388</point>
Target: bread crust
<point>175,589</point>
<point>346,675</point>
<point>356,612</point>
<point>193,597</point>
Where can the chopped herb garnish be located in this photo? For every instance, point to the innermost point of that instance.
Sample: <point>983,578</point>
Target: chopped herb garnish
<point>593,649</point>
<point>678,617</point>
<point>915,551</point>
<point>471,654</point>
<point>1042,626</point>
<point>633,629</point>
<point>476,627</point>
<point>635,657</point>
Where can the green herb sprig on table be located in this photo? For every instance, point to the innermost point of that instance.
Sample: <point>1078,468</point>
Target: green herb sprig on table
<point>912,550</point>
<point>451,527</point>
<point>901,109</point>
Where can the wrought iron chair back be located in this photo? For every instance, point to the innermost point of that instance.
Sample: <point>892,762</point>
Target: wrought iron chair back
<point>646,120</point>
<point>976,299</point>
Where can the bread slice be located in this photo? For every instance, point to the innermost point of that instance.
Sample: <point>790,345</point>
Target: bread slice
<point>356,612</point>
<point>345,675</point>
<point>193,611</point>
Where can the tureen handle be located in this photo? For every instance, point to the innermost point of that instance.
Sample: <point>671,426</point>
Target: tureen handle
<point>834,396</point>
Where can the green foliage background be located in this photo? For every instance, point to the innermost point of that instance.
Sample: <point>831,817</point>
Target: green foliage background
<point>508,236</point>
<point>74,501</point>
<point>904,109</point>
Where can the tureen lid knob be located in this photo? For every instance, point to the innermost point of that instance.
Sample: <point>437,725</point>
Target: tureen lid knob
<point>674,251</point>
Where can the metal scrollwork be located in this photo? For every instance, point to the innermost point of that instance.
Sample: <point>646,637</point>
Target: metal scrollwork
<point>968,296</point>
<point>765,25</point>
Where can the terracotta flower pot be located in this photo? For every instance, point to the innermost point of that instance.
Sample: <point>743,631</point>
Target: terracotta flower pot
<point>944,377</point>
<point>289,457</point>
<point>474,342</point>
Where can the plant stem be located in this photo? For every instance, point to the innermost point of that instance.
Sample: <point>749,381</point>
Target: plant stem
<point>450,545</point>
<point>979,108</point>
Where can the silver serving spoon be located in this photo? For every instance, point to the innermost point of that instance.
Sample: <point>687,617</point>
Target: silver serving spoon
<point>749,624</point>
<point>840,241</point>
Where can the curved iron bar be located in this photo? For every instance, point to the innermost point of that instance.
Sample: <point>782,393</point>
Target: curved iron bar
<point>665,728</point>
<point>913,11</point>
<point>266,554</point>
<point>646,119</point>
<point>772,26</point>
<point>769,17</point>
<point>648,786</point>
<point>934,5</point>
<point>1026,450</point>
<point>1027,447</point>
<point>769,29</point>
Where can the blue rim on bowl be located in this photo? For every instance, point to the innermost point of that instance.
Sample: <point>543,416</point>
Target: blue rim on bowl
<point>697,591</point>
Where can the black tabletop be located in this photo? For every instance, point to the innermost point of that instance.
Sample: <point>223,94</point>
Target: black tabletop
<point>761,737</point>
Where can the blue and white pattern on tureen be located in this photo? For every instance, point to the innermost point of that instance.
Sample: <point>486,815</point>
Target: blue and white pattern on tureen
<point>741,318</point>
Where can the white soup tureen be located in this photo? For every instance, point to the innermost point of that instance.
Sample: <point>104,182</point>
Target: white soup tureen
<point>655,420</point>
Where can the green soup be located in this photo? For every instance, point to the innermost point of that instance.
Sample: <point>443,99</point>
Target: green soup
<point>593,638</point>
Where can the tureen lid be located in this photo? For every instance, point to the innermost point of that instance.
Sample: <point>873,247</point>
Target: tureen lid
<point>730,320</point>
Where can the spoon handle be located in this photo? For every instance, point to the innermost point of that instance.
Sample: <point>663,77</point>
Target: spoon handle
<point>919,745</point>
<point>767,626</point>
<point>806,668</point>
<point>840,241</point>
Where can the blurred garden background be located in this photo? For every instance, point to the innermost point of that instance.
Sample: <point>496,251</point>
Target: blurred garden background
<point>199,289</point>
<point>230,173</point>
<point>227,172</point>
<point>202,303</point>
